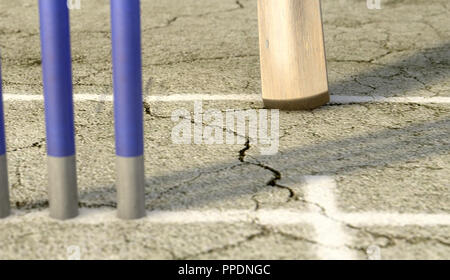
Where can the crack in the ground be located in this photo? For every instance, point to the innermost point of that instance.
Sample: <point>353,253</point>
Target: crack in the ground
<point>175,187</point>
<point>356,80</point>
<point>273,182</point>
<point>23,205</point>
<point>173,19</point>
<point>322,211</point>
<point>83,204</point>
<point>435,30</point>
<point>256,201</point>
<point>18,174</point>
<point>264,231</point>
<point>24,33</point>
<point>148,111</point>
<point>314,242</point>
<point>155,248</point>
<point>78,79</point>
<point>33,145</point>
<point>391,238</point>
<point>44,203</point>
<point>241,6</point>
<point>191,60</point>
<point>188,181</point>
<point>408,75</point>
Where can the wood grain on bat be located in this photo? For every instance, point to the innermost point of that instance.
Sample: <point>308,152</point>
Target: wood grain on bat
<point>293,64</point>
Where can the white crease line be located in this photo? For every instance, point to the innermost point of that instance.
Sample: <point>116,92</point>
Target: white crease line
<point>154,98</point>
<point>394,219</point>
<point>108,215</point>
<point>329,233</point>
<point>335,99</point>
<point>204,97</point>
<point>348,99</point>
<point>22,97</point>
<point>266,217</point>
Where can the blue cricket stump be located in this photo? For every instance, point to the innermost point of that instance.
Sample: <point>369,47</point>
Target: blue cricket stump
<point>57,79</point>
<point>4,191</point>
<point>128,109</point>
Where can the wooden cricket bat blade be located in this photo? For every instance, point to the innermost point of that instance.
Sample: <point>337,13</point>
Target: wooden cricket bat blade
<point>293,62</point>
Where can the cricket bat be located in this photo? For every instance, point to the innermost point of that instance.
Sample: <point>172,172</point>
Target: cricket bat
<point>293,63</point>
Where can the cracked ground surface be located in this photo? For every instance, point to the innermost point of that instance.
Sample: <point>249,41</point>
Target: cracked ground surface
<point>390,158</point>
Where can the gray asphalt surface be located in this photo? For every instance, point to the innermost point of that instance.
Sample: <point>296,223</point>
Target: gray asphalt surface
<point>384,157</point>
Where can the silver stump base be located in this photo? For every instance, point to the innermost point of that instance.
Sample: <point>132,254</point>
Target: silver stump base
<point>62,187</point>
<point>4,191</point>
<point>130,183</point>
